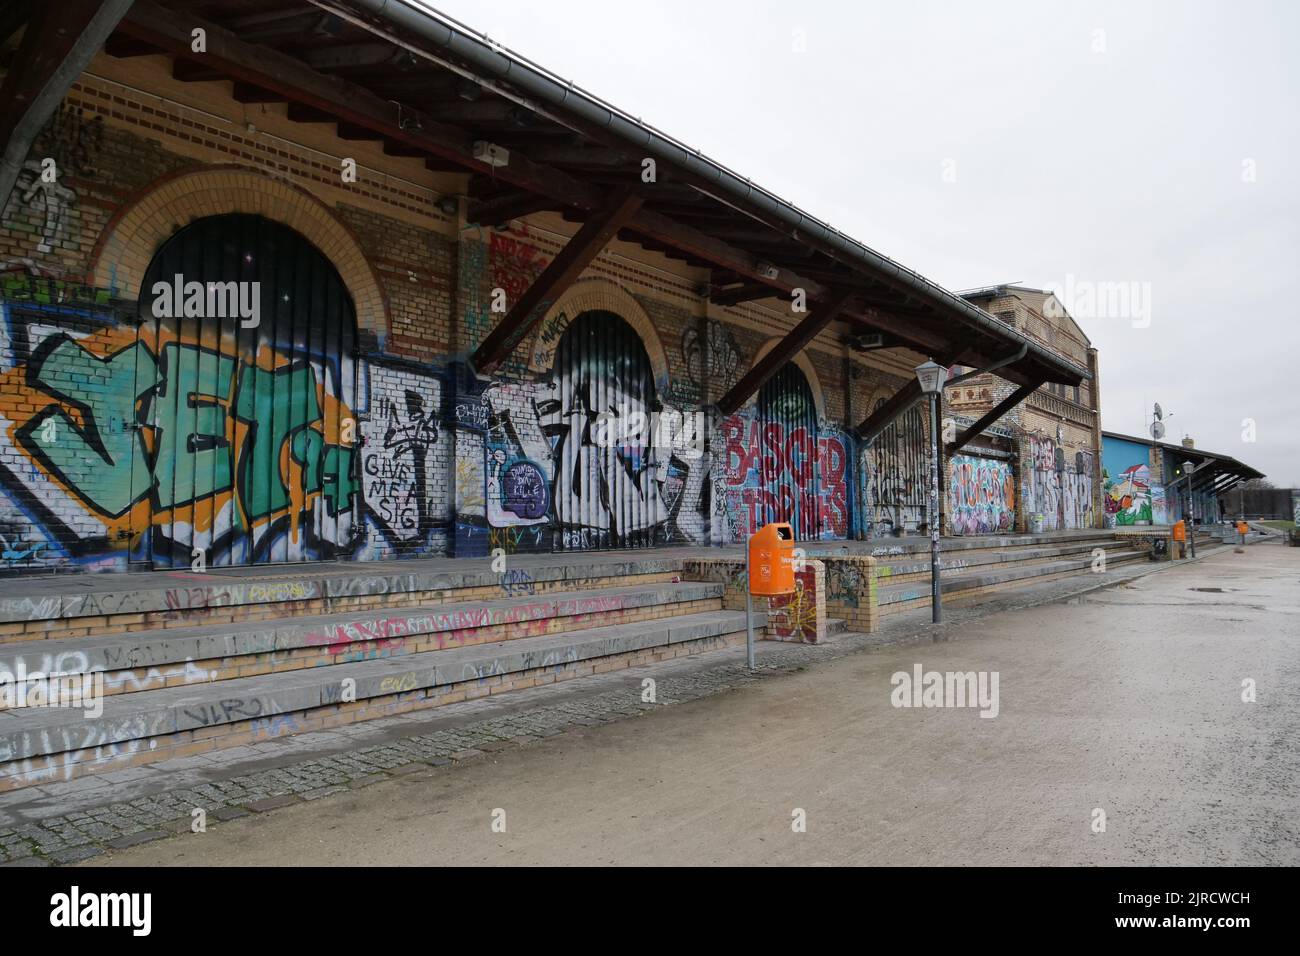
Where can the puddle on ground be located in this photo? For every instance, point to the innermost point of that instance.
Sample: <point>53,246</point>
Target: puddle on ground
<point>1215,590</point>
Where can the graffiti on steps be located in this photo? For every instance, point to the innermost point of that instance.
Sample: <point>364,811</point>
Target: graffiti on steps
<point>794,616</point>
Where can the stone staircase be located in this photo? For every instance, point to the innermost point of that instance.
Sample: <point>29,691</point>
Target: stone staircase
<point>979,566</point>
<point>207,661</point>
<point>1227,534</point>
<point>187,663</point>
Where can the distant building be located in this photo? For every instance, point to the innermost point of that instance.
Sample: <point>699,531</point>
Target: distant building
<point>1147,482</point>
<point>1053,437</point>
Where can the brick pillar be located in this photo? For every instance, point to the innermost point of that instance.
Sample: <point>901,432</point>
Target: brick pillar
<point>944,518</point>
<point>1098,491</point>
<point>1024,464</point>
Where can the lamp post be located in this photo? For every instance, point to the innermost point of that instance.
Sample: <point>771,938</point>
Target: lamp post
<point>931,377</point>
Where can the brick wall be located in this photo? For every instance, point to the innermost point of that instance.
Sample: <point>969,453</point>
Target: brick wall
<point>412,454</point>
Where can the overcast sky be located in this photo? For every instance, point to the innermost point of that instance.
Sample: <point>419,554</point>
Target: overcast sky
<point>1071,145</point>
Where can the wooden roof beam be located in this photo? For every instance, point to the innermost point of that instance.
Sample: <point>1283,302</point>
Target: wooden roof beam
<point>563,270</point>
<point>794,342</point>
<point>900,401</point>
<point>991,417</point>
<point>495,212</point>
<point>272,70</point>
<point>743,293</point>
<point>58,44</point>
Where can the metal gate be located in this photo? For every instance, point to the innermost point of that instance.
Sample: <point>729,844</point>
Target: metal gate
<point>249,361</point>
<point>602,424</point>
<point>898,481</point>
<point>787,464</point>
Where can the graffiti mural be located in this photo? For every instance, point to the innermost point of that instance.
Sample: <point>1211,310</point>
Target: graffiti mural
<point>229,467</point>
<point>68,144</point>
<point>794,616</point>
<point>981,495</point>
<point>1077,488</point>
<point>769,474</point>
<point>778,463</point>
<point>896,476</point>
<point>1129,498</point>
<point>1159,505</point>
<point>586,455</point>
<point>159,439</point>
<point>1060,486</point>
<point>1044,484</point>
<point>141,437</point>
<point>399,458</point>
<point>711,356</point>
<point>608,490</point>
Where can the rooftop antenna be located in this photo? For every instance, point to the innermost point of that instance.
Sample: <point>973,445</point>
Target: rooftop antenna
<point>1157,426</point>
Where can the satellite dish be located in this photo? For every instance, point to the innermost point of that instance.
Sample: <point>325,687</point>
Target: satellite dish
<point>1157,430</point>
<point>1159,414</point>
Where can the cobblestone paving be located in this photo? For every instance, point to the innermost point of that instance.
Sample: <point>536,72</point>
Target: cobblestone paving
<point>81,834</point>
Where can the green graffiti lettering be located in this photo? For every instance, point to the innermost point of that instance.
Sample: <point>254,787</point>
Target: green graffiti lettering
<point>102,460</point>
<point>193,453</point>
<point>25,288</point>
<point>306,450</point>
<point>275,404</point>
<point>340,461</point>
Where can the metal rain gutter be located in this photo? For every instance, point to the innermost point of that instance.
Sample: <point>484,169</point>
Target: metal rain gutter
<point>457,40</point>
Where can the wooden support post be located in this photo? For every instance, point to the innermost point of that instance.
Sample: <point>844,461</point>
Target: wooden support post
<point>901,401</point>
<point>786,349</point>
<point>998,410</point>
<point>594,235</point>
<point>60,41</point>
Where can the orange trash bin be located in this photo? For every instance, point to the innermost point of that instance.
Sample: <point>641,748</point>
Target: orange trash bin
<point>771,560</point>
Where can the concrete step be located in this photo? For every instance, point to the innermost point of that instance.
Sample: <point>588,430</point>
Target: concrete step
<point>901,571</point>
<point>79,605</point>
<point>902,596</point>
<point>143,660</point>
<point>44,743</point>
<point>884,549</point>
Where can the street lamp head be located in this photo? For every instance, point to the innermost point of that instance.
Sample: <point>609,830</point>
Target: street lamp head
<point>931,376</point>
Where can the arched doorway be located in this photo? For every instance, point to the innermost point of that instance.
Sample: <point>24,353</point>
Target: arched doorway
<point>788,467</point>
<point>601,421</point>
<point>779,463</point>
<point>898,473</point>
<point>249,339</point>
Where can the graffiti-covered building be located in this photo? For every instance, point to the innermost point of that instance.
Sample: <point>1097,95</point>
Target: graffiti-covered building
<point>1047,456</point>
<point>1148,482</point>
<point>318,280</point>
